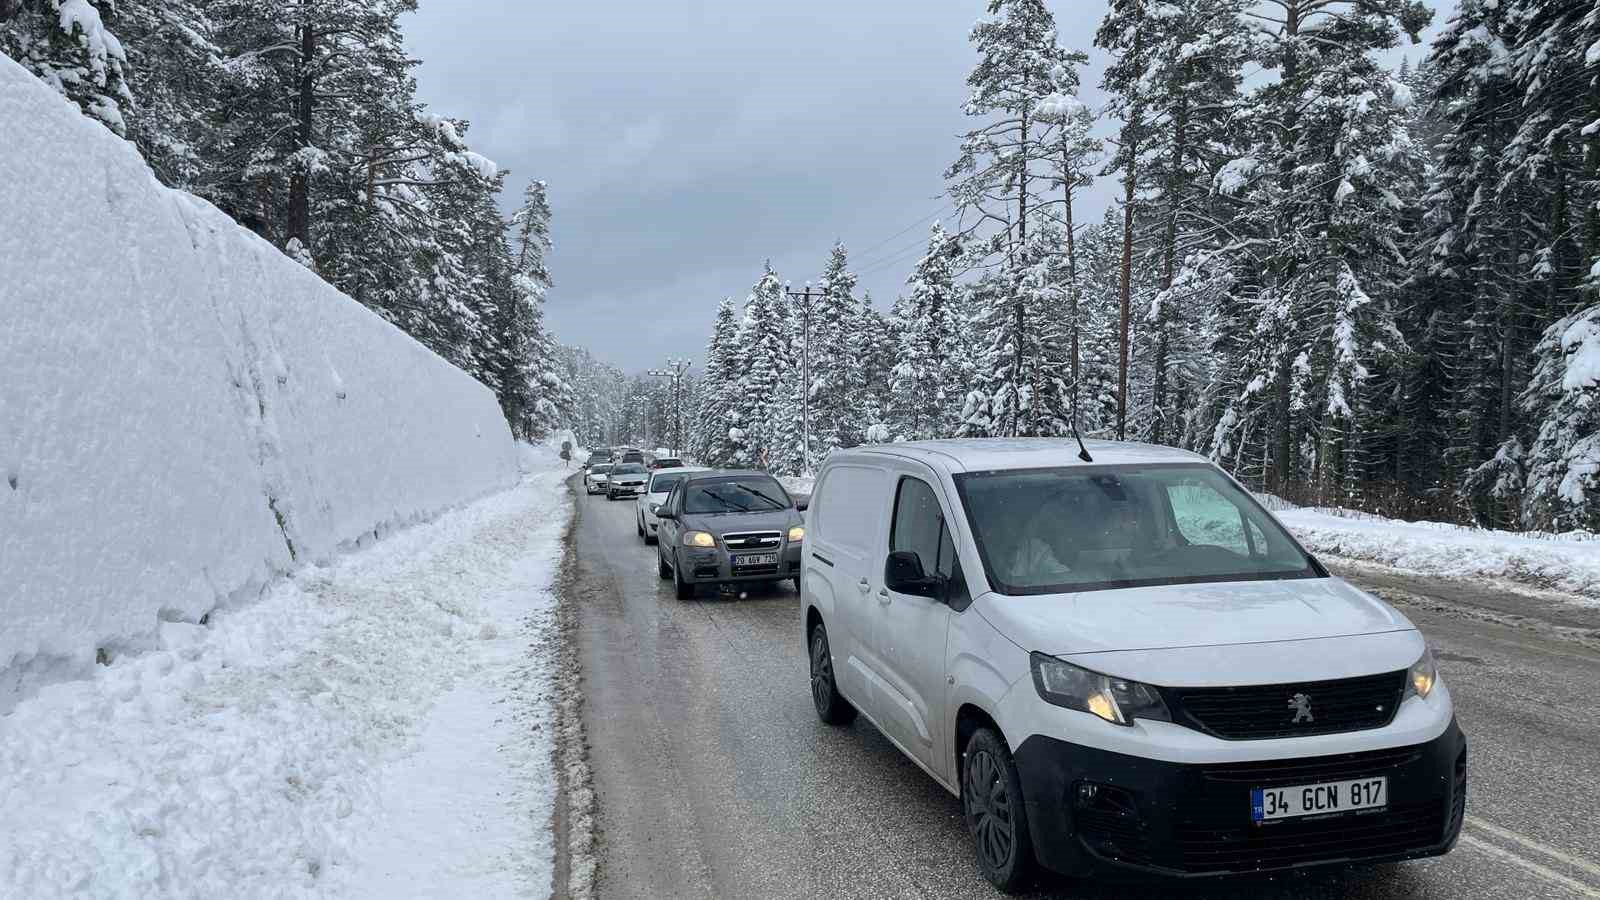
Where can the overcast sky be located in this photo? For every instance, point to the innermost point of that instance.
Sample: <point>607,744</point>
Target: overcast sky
<point>686,142</point>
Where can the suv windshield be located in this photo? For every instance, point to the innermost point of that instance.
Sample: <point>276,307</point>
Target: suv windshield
<point>1046,531</point>
<point>600,469</point>
<point>735,495</point>
<point>628,469</point>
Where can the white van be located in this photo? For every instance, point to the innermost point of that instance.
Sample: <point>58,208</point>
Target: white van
<point>1121,664</point>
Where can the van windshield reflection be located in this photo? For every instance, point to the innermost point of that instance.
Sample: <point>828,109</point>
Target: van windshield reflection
<point>1045,531</point>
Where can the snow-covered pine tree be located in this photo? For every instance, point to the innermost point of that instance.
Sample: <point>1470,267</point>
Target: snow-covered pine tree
<point>70,45</point>
<point>998,182</point>
<point>1322,189</point>
<point>926,388</point>
<point>838,388</point>
<point>763,344</point>
<point>1561,488</point>
<point>718,433</point>
<point>1077,154</point>
<point>1176,76</point>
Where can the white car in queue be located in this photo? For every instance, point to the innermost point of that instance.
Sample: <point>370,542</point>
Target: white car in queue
<point>1120,662</point>
<point>661,484</point>
<point>596,477</point>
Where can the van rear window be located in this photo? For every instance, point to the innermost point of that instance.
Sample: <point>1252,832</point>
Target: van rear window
<point>1047,531</point>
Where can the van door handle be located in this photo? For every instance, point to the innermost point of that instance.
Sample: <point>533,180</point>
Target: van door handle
<point>883,596</point>
<point>865,586</point>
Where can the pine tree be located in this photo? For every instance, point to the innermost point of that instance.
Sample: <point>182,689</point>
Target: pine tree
<point>837,384</point>
<point>926,388</point>
<point>1176,77</point>
<point>70,46</point>
<point>1322,191</point>
<point>718,434</point>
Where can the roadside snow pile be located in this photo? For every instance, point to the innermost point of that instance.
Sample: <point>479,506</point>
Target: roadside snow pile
<point>1567,563</point>
<point>185,413</point>
<point>378,726</point>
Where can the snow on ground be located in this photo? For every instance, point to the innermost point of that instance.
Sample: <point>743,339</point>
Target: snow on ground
<point>185,412</point>
<point>1569,563</point>
<point>375,726</point>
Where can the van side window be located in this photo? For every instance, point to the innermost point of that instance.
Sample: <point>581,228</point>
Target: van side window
<point>840,508</point>
<point>919,526</point>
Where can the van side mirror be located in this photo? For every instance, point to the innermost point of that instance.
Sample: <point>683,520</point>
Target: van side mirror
<point>903,574</point>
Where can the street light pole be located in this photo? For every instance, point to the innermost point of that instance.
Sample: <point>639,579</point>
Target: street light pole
<point>676,369</point>
<point>805,298</point>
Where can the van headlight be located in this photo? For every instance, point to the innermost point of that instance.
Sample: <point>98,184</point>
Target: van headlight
<point>698,539</point>
<point>1423,677</point>
<point>1116,700</point>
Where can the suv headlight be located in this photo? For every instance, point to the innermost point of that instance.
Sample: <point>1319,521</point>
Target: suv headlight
<point>1116,700</point>
<point>698,539</point>
<point>797,534</point>
<point>1423,677</point>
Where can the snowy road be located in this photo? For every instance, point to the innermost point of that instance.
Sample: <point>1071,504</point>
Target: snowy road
<point>716,780</point>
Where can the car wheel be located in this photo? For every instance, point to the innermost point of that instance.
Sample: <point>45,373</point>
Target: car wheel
<point>832,708</point>
<point>664,570</point>
<point>991,797</point>
<point>684,589</point>
<point>796,581</point>
<point>638,525</point>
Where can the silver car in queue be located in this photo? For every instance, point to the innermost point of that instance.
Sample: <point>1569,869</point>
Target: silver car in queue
<point>725,528</point>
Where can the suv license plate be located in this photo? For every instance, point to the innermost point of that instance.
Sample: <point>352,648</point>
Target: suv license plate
<point>1267,804</point>
<point>756,559</point>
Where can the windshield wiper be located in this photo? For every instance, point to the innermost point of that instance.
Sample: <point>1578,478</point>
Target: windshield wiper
<point>724,501</point>
<point>772,500</point>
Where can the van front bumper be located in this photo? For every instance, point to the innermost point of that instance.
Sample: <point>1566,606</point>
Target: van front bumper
<point>1093,811</point>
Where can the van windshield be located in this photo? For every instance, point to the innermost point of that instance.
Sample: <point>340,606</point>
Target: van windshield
<point>1048,531</point>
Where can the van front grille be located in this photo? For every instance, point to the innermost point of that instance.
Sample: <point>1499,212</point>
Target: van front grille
<point>1256,712</point>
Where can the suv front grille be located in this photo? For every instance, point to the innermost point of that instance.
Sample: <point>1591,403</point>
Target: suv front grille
<point>1256,712</point>
<point>746,541</point>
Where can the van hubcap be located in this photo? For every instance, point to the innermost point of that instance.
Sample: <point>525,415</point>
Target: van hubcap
<point>989,810</point>
<point>821,672</point>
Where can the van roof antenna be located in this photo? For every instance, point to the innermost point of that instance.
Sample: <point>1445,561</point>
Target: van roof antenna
<point>1083,452</point>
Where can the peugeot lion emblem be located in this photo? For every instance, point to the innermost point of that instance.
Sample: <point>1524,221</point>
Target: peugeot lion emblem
<point>1301,704</point>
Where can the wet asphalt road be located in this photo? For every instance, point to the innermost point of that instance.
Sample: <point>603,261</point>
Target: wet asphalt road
<point>715,779</point>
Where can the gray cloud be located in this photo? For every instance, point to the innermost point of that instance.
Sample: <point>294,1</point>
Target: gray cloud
<point>686,142</point>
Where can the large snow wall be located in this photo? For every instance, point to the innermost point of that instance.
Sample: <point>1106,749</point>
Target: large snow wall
<point>185,413</point>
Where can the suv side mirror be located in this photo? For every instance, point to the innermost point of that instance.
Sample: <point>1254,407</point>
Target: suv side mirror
<point>664,513</point>
<point>903,574</point>
<point>802,502</point>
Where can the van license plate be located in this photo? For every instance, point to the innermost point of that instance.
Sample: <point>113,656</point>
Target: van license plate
<point>1267,804</point>
<point>757,559</point>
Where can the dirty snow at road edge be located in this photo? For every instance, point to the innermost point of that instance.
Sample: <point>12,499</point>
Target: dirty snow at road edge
<point>379,726</point>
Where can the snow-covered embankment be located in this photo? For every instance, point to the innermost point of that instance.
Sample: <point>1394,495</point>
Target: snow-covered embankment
<point>185,413</point>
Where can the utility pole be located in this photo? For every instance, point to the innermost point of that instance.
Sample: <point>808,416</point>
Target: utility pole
<point>676,370</point>
<point>805,297</point>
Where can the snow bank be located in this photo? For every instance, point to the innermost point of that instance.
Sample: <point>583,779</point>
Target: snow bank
<point>1568,563</point>
<point>379,726</point>
<point>184,412</point>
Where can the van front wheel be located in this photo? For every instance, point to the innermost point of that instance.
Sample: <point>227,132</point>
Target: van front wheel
<point>991,796</point>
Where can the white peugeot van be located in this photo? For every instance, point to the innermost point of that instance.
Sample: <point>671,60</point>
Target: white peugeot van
<point>1119,661</point>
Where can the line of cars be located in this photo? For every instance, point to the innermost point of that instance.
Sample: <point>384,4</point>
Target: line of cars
<point>709,526</point>
<point>1118,661</point>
